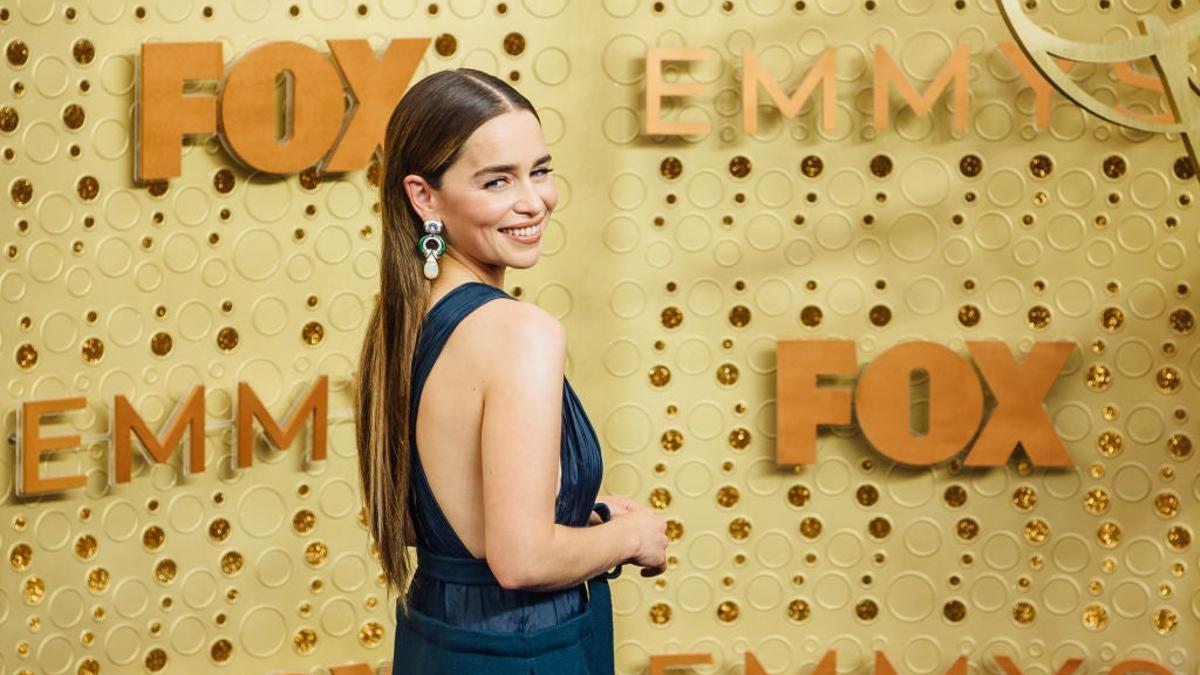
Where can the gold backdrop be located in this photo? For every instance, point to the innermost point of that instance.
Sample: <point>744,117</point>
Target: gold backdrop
<point>676,263</point>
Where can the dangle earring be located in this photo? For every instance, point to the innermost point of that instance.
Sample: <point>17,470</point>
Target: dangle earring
<point>432,246</point>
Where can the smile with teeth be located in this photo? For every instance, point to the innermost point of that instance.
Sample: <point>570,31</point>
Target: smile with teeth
<point>523,232</point>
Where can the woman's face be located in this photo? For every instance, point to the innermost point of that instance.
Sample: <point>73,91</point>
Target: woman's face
<point>500,182</point>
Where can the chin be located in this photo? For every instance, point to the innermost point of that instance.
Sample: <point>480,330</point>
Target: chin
<point>524,262</point>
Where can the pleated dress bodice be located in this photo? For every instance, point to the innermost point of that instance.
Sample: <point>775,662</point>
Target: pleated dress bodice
<point>494,607</point>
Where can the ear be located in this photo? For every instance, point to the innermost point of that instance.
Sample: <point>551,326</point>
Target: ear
<point>421,196</point>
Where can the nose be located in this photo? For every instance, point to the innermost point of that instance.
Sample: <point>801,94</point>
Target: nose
<point>530,200</point>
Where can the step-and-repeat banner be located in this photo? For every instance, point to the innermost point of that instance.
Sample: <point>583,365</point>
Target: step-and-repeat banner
<point>886,306</point>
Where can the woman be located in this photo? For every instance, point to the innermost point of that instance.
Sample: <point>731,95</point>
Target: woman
<point>473,446</point>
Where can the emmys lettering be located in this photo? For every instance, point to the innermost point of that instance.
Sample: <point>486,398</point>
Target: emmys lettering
<point>1042,60</point>
<point>882,401</point>
<point>188,417</point>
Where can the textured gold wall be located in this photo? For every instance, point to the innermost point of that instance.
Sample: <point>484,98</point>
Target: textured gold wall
<point>675,263</point>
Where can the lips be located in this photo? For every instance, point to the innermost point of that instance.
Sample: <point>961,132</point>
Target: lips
<point>530,233</point>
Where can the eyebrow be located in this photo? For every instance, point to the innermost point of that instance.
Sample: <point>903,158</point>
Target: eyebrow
<point>503,168</point>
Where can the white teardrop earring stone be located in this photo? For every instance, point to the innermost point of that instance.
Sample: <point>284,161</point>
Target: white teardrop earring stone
<point>431,268</point>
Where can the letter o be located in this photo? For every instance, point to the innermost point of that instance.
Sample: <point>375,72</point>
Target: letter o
<point>882,400</point>
<point>316,107</point>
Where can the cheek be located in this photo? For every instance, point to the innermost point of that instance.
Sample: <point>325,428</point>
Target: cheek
<point>482,211</point>
<point>549,193</point>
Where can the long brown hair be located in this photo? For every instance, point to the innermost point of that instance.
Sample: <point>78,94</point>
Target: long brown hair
<point>425,136</point>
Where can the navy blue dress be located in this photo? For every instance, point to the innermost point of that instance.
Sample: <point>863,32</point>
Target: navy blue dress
<point>459,615</point>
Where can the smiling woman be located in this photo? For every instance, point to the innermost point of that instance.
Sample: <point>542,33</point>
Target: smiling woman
<point>473,446</point>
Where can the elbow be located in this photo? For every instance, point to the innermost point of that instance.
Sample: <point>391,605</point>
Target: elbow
<point>511,577</point>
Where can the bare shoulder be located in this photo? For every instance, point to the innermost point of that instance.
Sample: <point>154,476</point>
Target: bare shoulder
<point>514,332</point>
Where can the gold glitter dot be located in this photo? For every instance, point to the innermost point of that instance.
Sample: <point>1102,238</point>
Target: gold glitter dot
<point>218,529</point>
<point>866,610</point>
<point>1109,443</point>
<point>20,556</point>
<point>660,375</point>
<point>1179,537</point>
<point>954,610</point>
<point>1109,533</point>
<point>967,529</point>
<point>1041,166</point>
<point>97,579</point>
<point>514,44</point>
<point>798,495</point>
<point>739,438</point>
<point>798,609</point>
<point>1114,166</point>
<point>1038,317</point>
<point>231,563</point>
<point>970,165</point>
<point>9,118</point>
<point>879,527</point>
<point>727,611</point>
<point>670,167</point>
<point>671,440</point>
<point>221,650</point>
<point>315,553</point>
<point>73,116</point>
<point>1023,612</point>
<point>305,640</point>
<point>660,498</point>
<point>1098,377</point>
<point>223,181</point>
<point>303,521</point>
<point>1095,617</point>
<point>370,634</point>
<point>160,344</point>
<point>227,339</point>
<point>811,316</point>
<point>1164,621</point>
<point>87,188</point>
<point>445,44</point>
<point>312,333</point>
<point>727,374</point>
<point>739,166</point>
<point>84,51</point>
<point>671,317</point>
<point>727,496</point>
<point>811,166</point>
<point>1166,504</point>
<point>21,190</point>
<point>810,527</point>
<point>92,350</point>
<point>739,316</point>
<point>165,571</point>
<point>968,315</point>
<point>85,546</point>
<point>867,494</point>
<point>1168,379</point>
<point>1179,446</point>
<point>1096,501</point>
<point>955,496</point>
<point>156,660</point>
<point>739,528</point>
<point>153,537</point>
<point>33,589</point>
<point>1037,531</point>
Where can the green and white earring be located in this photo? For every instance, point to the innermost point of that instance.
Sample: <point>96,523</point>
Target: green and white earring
<point>432,247</point>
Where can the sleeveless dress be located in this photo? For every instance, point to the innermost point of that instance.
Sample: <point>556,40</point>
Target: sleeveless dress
<point>460,619</point>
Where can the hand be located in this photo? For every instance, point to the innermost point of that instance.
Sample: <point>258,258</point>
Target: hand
<point>651,535</point>
<point>616,504</point>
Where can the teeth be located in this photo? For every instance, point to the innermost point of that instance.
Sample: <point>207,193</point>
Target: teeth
<point>524,231</point>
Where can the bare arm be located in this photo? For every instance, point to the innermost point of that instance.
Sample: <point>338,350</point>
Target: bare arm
<point>521,436</point>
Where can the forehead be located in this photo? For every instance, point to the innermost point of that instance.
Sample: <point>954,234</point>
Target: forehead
<point>512,137</point>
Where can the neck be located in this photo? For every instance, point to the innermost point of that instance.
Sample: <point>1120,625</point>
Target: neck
<point>456,270</point>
